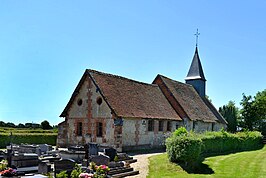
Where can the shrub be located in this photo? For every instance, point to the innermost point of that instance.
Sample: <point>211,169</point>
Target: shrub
<point>26,130</point>
<point>62,174</point>
<point>36,138</point>
<point>3,165</point>
<point>223,142</point>
<point>180,131</point>
<point>76,171</point>
<point>189,147</point>
<point>101,171</point>
<point>184,148</point>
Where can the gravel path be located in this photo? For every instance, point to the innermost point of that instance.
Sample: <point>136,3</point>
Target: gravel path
<point>142,164</point>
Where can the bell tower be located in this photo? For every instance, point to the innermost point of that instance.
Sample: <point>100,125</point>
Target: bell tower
<point>195,76</point>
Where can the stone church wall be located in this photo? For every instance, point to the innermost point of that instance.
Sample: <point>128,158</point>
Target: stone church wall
<point>136,135</point>
<point>79,108</point>
<point>188,124</point>
<point>199,126</point>
<point>62,140</point>
<point>88,112</point>
<point>100,112</point>
<point>219,126</point>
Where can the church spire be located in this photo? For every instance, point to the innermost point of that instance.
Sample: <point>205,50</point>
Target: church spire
<point>195,71</point>
<point>195,76</point>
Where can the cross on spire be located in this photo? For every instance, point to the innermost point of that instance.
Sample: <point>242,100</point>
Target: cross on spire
<point>197,36</point>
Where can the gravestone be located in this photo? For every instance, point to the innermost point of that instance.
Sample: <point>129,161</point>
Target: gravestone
<point>64,165</point>
<point>27,149</point>
<point>86,147</point>
<point>44,167</point>
<point>9,157</point>
<point>93,149</point>
<point>116,164</point>
<point>74,155</point>
<point>76,148</point>
<point>25,160</point>
<point>123,156</point>
<point>100,160</point>
<point>45,148</point>
<point>111,152</point>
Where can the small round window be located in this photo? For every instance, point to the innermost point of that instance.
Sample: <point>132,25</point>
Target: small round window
<point>99,100</point>
<point>79,102</point>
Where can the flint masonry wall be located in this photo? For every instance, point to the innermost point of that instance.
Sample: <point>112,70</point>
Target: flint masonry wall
<point>136,135</point>
<point>219,126</point>
<point>202,126</point>
<point>199,126</point>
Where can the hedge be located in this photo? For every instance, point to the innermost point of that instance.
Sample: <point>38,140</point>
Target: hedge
<point>183,148</point>
<point>36,138</point>
<point>209,143</point>
<point>224,142</point>
<point>26,130</point>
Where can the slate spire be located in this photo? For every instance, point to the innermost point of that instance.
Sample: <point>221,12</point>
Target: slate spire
<point>195,71</point>
<point>195,76</point>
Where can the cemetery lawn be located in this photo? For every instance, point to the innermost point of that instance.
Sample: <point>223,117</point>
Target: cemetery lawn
<point>244,164</point>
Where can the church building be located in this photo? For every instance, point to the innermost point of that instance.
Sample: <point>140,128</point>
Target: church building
<point>126,114</point>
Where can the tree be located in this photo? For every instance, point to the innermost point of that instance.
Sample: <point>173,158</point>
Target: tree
<point>2,124</point>
<point>253,112</point>
<point>249,115</point>
<point>231,114</point>
<point>247,112</point>
<point>10,124</point>
<point>45,125</point>
<point>28,125</point>
<point>21,125</point>
<point>260,105</point>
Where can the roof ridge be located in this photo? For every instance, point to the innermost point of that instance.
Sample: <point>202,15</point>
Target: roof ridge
<point>175,80</point>
<point>120,77</point>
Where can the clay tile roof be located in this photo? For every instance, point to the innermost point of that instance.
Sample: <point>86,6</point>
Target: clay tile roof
<point>129,98</point>
<point>215,111</point>
<point>190,101</point>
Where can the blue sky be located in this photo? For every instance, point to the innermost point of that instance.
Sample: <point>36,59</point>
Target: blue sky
<point>45,46</point>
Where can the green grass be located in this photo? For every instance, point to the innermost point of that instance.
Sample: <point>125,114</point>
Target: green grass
<point>250,164</point>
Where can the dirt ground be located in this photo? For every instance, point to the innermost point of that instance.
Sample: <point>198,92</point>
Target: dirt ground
<point>142,164</point>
